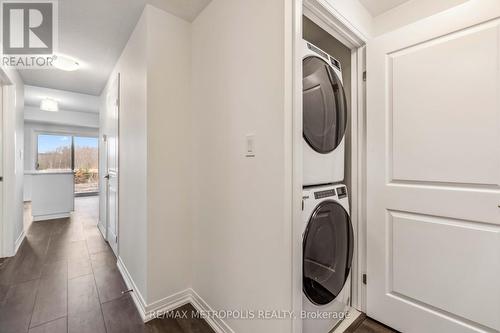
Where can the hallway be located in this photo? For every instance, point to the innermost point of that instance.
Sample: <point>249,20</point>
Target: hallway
<point>64,279</point>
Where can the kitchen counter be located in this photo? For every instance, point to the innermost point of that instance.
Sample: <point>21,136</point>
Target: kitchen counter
<point>48,172</point>
<point>52,194</point>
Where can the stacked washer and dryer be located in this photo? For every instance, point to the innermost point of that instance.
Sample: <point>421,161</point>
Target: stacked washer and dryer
<point>328,237</point>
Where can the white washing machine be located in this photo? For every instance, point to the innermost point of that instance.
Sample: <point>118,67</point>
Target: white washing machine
<point>324,117</point>
<point>328,243</point>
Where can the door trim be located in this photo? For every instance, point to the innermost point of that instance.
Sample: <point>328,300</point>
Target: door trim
<point>103,167</point>
<point>118,107</point>
<point>4,252</point>
<point>8,213</point>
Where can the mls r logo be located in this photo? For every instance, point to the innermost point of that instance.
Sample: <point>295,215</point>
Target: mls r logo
<point>28,27</point>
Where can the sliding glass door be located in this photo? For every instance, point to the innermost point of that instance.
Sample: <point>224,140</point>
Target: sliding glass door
<point>86,159</point>
<point>56,152</point>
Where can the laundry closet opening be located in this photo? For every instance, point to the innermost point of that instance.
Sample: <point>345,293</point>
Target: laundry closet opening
<point>332,112</point>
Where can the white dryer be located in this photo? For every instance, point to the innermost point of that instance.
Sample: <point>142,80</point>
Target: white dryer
<point>324,117</point>
<point>328,243</point>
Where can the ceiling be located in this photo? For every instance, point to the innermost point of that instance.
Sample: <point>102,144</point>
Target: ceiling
<point>95,33</point>
<point>377,7</point>
<point>186,9</point>
<point>68,101</point>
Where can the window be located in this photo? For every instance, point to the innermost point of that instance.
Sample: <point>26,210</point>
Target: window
<point>54,152</point>
<point>66,153</point>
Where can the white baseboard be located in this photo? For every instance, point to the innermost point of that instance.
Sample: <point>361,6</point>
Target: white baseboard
<point>102,229</point>
<point>19,241</point>
<point>51,217</point>
<point>139,301</point>
<point>112,240</point>
<point>346,323</point>
<point>172,302</point>
<point>217,324</point>
<point>168,303</point>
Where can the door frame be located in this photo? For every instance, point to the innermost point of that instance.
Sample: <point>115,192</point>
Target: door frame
<point>330,20</point>
<point>103,186</point>
<point>4,221</point>
<point>8,213</point>
<point>106,165</point>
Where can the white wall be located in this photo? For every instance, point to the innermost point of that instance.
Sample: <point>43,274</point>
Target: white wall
<point>67,100</point>
<point>169,169</point>
<point>242,230</point>
<point>132,67</point>
<point>359,18</point>
<point>63,117</point>
<point>13,127</point>
<point>410,12</point>
<point>194,212</point>
<point>156,155</point>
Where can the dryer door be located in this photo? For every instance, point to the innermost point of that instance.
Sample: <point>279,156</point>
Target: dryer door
<point>327,252</point>
<point>324,106</point>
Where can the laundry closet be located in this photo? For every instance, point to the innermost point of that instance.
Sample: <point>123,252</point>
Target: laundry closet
<point>408,194</point>
<point>328,232</point>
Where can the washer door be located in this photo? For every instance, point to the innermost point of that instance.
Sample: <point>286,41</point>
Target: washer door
<point>324,106</point>
<point>327,252</point>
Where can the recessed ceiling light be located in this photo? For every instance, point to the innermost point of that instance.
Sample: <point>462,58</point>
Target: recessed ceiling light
<point>49,104</point>
<point>65,63</point>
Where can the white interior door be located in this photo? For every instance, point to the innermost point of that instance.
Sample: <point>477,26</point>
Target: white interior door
<point>433,168</point>
<point>113,108</point>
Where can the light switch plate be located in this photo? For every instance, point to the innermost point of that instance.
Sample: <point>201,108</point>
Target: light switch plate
<point>250,145</point>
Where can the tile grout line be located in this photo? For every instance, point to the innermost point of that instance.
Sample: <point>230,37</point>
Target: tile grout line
<point>40,278</point>
<point>34,302</point>
<point>47,322</point>
<point>68,279</point>
<point>96,289</point>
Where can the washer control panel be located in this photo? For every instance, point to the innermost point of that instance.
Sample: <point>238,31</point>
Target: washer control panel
<point>324,194</point>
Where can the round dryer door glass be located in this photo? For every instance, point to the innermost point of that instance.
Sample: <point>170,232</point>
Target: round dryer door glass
<point>324,106</point>
<point>327,252</point>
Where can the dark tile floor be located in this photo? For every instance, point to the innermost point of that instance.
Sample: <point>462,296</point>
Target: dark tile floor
<point>367,325</point>
<point>64,279</point>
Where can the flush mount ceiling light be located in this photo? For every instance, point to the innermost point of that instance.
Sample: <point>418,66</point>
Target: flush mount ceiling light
<point>49,104</point>
<point>65,63</point>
